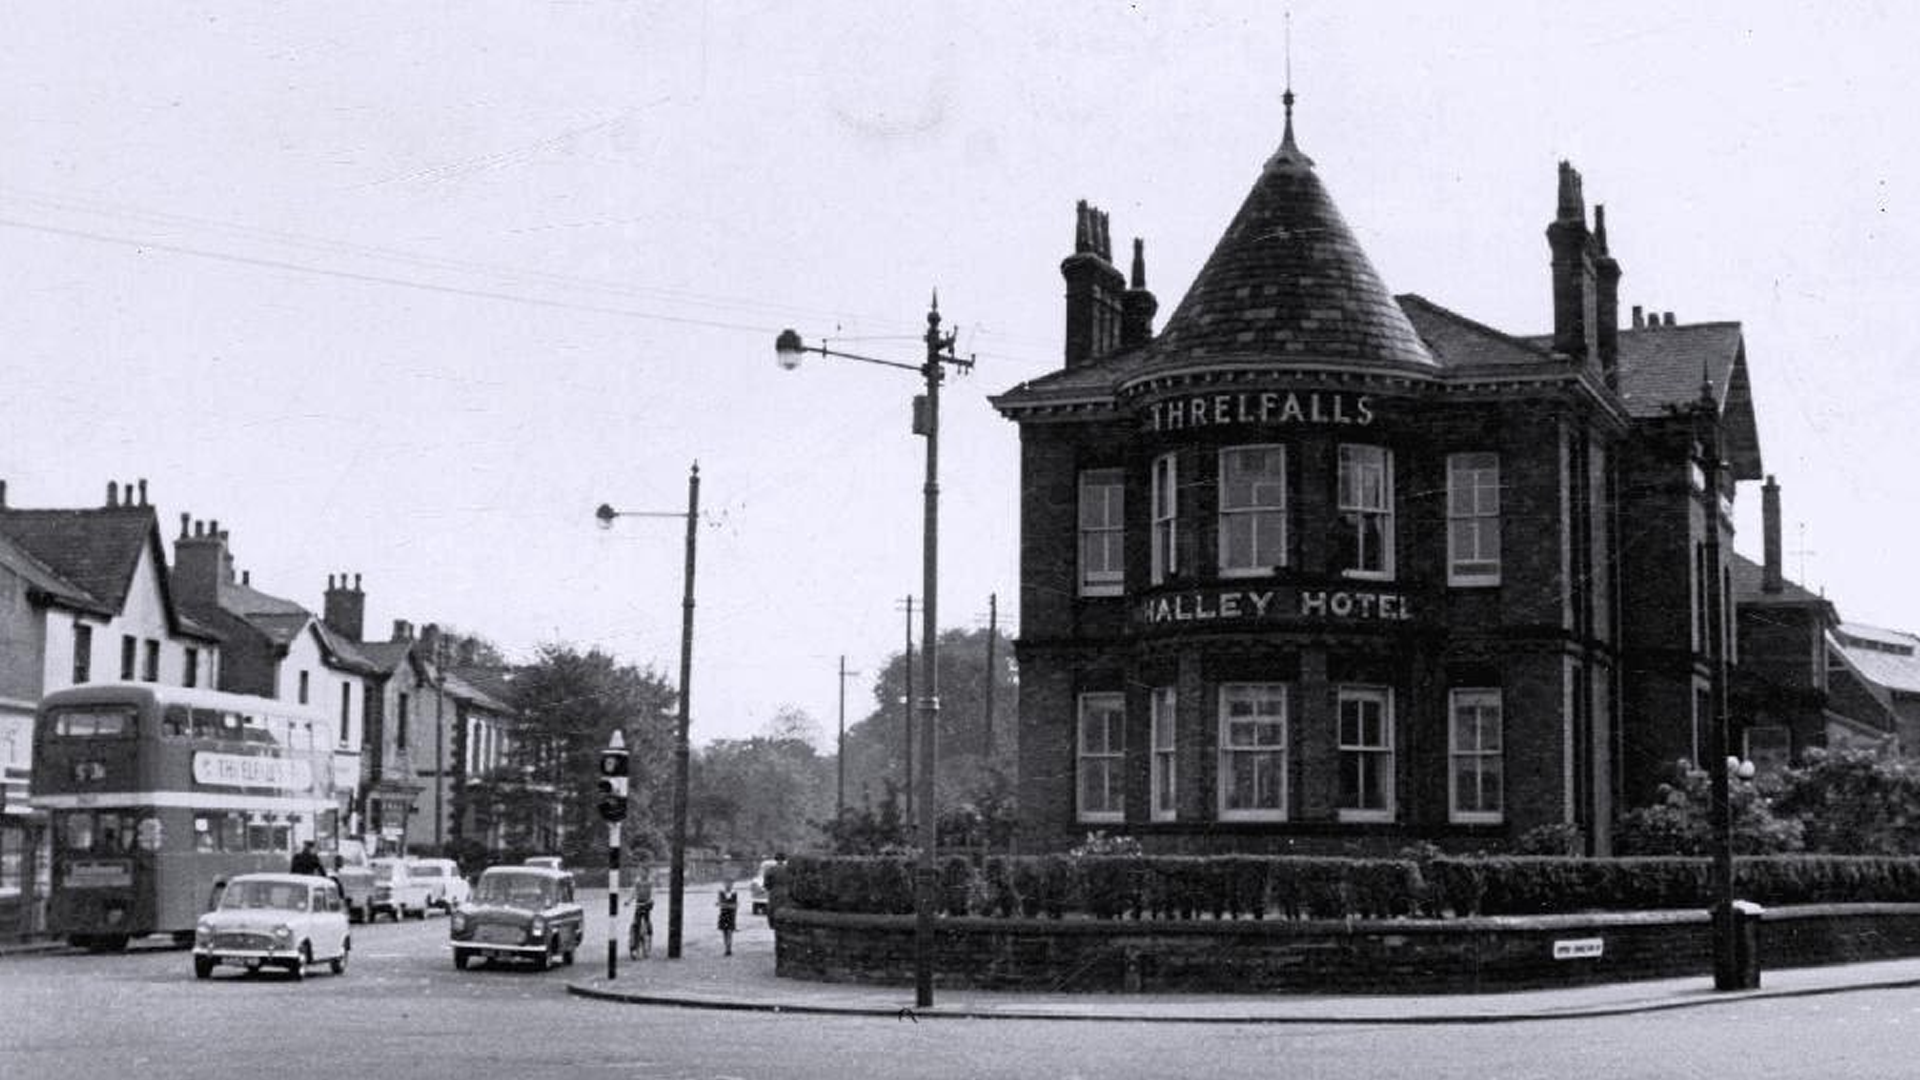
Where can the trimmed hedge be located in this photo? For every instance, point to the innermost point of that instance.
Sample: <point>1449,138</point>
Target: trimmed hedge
<point>1293,887</point>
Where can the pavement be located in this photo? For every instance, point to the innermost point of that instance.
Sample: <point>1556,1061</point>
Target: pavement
<point>705,978</point>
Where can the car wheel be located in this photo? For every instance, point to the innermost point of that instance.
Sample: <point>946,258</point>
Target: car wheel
<point>566,956</point>
<point>460,958</point>
<point>544,957</point>
<point>338,964</point>
<point>203,967</point>
<point>300,963</point>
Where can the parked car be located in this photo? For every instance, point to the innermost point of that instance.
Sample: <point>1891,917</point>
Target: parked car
<point>273,920</point>
<point>551,862</point>
<point>757,888</point>
<point>396,891</point>
<point>355,876</point>
<point>518,913</point>
<point>446,889</point>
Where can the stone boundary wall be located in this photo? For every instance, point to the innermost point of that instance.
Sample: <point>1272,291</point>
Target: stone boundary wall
<point>1395,956</point>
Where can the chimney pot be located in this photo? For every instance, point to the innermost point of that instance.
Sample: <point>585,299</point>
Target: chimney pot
<point>246,577</point>
<point>356,582</point>
<point>213,527</point>
<point>1639,318</point>
<point>3,494</point>
<point>1771,577</point>
<point>1666,318</point>
<point>113,493</point>
<point>143,491</point>
<point>186,520</point>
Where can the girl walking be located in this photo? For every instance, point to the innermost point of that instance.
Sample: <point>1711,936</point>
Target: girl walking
<point>729,912</point>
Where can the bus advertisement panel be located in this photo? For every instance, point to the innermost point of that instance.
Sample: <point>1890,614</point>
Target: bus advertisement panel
<point>155,792</point>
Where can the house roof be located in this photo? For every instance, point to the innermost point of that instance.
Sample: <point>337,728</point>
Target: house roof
<point>1459,342</point>
<point>45,580</point>
<point>386,655</point>
<point>1288,281</point>
<point>488,688</point>
<point>1888,658</point>
<point>1750,576</point>
<point>95,549</point>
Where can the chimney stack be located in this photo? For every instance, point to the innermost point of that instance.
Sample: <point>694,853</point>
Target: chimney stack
<point>1094,290</point>
<point>402,630</point>
<point>201,564</point>
<point>1575,291</point>
<point>1606,301</point>
<point>1771,578</point>
<point>345,608</point>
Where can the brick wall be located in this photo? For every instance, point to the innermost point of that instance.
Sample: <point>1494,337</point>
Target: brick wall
<point>1401,956</point>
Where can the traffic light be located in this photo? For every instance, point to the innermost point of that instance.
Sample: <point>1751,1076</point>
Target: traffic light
<point>613,763</point>
<point>613,802</point>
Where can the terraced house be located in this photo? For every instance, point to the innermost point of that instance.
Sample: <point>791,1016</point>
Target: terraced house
<point>1318,567</point>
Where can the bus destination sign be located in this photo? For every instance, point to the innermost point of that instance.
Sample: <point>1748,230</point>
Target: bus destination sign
<point>239,770</point>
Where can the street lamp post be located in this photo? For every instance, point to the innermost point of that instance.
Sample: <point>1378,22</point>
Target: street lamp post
<point>789,348</point>
<point>677,859</point>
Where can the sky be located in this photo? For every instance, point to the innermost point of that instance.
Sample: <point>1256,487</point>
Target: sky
<point>406,291</point>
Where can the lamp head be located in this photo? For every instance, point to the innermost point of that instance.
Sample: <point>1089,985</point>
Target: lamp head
<point>606,515</point>
<point>787,349</point>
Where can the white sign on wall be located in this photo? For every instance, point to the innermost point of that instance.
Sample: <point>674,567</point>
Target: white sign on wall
<point>1578,948</point>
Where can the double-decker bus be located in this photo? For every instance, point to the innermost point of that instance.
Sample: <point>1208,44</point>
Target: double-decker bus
<point>154,793</point>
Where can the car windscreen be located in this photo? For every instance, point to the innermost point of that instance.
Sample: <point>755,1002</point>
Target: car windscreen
<point>517,890</point>
<point>421,870</point>
<point>278,895</point>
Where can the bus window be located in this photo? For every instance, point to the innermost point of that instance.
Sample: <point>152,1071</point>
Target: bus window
<point>206,724</point>
<point>205,838</point>
<point>282,837</point>
<point>85,724</point>
<point>259,835</point>
<point>176,722</point>
<point>253,729</point>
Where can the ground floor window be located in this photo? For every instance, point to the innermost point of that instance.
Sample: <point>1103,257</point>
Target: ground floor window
<point>1164,783</point>
<point>1366,754</point>
<point>1253,752</point>
<point>1102,749</point>
<point>1476,774</point>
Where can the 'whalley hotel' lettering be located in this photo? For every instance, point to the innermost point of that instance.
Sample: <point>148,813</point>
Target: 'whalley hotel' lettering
<point>1273,603</point>
<point>1261,407</point>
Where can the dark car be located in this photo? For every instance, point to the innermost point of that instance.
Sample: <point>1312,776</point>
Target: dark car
<point>518,913</point>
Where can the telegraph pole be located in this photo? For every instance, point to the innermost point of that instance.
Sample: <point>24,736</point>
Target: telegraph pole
<point>840,801</point>
<point>906,710</point>
<point>993,632</point>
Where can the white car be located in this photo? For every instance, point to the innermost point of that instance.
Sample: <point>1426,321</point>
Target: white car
<point>446,889</point>
<point>396,891</point>
<point>288,921</point>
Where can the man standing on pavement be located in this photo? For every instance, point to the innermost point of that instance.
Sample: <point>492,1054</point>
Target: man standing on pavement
<point>307,861</point>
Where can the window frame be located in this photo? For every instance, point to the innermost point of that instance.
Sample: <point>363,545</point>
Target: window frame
<point>1163,508</point>
<point>1111,578</point>
<point>1478,697</point>
<point>1281,750</point>
<point>129,657</point>
<point>1163,768</point>
<point>1476,466</point>
<point>1384,753</point>
<point>82,652</point>
<point>150,661</point>
<point>346,712</point>
<point>190,667</point>
<point>1254,511</point>
<point>1111,758</point>
<point>1384,512</point>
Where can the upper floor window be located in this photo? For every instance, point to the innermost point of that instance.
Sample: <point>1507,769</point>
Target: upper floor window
<point>1165,519</point>
<point>1366,754</point>
<point>1473,519</point>
<point>150,670</point>
<point>305,684</point>
<point>82,652</point>
<point>190,668</point>
<point>1253,509</point>
<point>1366,511</point>
<point>1102,535</point>
<point>1161,701</point>
<point>129,656</point>
<point>1253,751</point>
<point>346,713</point>
<point>400,722</point>
<point>1102,747</point>
<point>1475,759</point>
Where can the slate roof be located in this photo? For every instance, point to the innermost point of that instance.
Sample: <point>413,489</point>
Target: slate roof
<point>1456,341</point>
<point>386,655</point>
<point>488,688</point>
<point>94,549</point>
<point>1888,658</point>
<point>1748,577</point>
<point>1288,281</point>
<point>43,578</point>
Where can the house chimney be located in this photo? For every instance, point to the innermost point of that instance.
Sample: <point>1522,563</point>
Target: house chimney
<point>201,564</point>
<point>1606,301</point>
<point>113,494</point>
<point>1575,294</point>
<point>346,607</point>
<point>1094,289</point>
<point>402,630</point>
<point>1771,579</point>
<point>246,578</point>
<point>1666,319</point>
<point>1137,305</point>
<point>143,491</point>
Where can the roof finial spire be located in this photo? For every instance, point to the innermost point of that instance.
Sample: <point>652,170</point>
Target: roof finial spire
<point>1289,153</point>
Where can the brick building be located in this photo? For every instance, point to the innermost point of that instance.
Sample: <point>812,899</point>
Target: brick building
<point>1316,567</point>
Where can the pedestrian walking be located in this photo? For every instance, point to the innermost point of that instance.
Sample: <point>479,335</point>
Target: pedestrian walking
<point>729,914</point>
<point>640,933</point>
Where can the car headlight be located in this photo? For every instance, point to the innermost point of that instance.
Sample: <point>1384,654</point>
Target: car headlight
<point>283,933</point>
<point>538,928</point>
<point>458,921</point>
<point>203,931</point>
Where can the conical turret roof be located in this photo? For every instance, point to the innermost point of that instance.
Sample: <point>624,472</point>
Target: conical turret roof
<point>1289,282</point>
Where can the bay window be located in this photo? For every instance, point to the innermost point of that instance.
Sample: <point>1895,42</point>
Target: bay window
<point>1366,754</point>
<point>1099,772</point>
<point>1253,510</point>
<point>1366,512</point>
<point>1165,561</point>
<point>1253,752</point>
<point>1473,519</point>
<point>1475,761</point>
<point>1102,535</point>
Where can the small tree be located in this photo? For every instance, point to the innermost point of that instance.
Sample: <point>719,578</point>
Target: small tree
<point>1680,821</point>
<point>1856,801</point>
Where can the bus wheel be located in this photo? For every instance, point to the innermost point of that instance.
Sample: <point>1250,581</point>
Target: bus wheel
<point>203,967</point>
